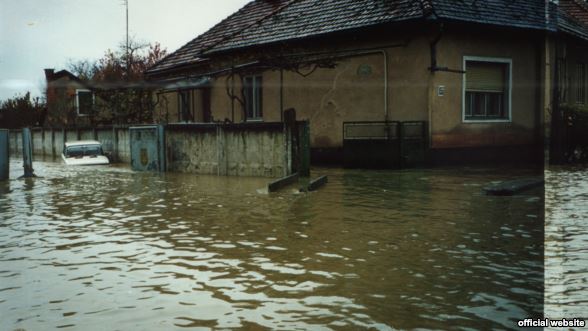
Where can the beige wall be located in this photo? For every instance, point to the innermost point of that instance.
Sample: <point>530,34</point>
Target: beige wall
<point>448,130</point>
<point>329,97</point>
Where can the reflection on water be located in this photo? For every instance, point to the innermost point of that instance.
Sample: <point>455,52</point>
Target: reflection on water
<point>107,248</point>
<point>566,242</point>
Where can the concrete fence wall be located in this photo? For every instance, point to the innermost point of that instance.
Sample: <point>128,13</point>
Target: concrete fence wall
<point>258,150</point>
<point>251,149</point>
<point>49,142</point>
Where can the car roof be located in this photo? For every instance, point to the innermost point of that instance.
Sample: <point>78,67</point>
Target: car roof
<point>82,142</point>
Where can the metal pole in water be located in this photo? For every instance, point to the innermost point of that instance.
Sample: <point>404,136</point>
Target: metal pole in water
<point>27,152</point>
<point>161,150</point>
<point>4,154</point>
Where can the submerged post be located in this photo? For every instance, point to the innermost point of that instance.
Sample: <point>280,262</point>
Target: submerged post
<point>304,149</point>
<point>27,152</point>
<point>161,148</point>
<point>4,154</point>
<point>289,125</point>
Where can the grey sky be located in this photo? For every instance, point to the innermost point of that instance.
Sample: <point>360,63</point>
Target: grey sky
<point>38,34</point>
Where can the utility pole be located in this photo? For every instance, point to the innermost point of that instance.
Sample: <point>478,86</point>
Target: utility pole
<point>126,2</point>
<point>128,60</point>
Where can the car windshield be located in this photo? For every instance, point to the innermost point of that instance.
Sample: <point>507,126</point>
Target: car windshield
<point>83,150</point>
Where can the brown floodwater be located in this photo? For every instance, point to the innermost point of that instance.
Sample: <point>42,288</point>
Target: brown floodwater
<point>566,242</point>
<point>106,248</point>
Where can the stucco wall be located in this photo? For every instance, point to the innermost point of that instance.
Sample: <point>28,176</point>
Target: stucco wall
<point>448,130</point>
<point>354,89</point>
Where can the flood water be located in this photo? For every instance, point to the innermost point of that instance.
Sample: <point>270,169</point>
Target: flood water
<point>110,249</point>
<point>566,242</point>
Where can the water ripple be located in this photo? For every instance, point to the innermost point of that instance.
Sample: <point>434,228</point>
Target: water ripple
<point>107,248</point>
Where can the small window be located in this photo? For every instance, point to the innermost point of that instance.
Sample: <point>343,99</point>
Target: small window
<point>253,97</point>
<point>487,89</point>
<point>185,106</point>
<point>581,84</point>
<point>84,102</point>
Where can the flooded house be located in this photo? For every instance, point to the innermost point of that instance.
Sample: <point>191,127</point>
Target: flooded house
<point>476,75</point>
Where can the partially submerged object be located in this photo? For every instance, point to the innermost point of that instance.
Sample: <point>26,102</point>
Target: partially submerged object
<point>513,186</point>
<point>311,185</point>
<point>84,152</point>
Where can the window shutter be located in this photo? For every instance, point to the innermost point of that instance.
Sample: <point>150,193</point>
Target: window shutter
<point>485,77</point>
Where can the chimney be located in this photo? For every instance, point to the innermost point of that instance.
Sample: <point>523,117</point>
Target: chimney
<point>49,74</point>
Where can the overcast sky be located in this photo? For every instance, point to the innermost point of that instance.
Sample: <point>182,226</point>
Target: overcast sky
<point>38,34</point>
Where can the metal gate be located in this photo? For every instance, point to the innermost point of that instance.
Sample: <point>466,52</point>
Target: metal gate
<point>147,148</point>
<point>389,144</point>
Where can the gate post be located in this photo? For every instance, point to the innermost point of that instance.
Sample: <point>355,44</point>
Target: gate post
<point>4,154</point>
<point>289,123</point>
<point>304,149</point>
<point>27,153</point>
<point>161,148</point>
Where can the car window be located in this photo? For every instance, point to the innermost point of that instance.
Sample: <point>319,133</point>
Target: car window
<point>83,150</point>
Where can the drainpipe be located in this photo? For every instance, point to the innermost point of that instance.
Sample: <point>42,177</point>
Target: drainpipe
<point>281,95</point>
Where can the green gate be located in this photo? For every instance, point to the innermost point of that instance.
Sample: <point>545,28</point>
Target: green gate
<point>147,148</point>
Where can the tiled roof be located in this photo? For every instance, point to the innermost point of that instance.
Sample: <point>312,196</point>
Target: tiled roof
<point>268,21</point>
<point>578,9</point>
<point>573,18</point>
<point>305,18</point>
<point>245,17</point>
<point>528,14</point>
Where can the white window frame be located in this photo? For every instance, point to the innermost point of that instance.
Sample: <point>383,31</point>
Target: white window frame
<point>78,100</point>
<point>255,101</point>
<point>507,61</point>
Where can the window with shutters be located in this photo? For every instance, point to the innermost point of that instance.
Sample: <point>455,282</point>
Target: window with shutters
<point>253,98</point>
<point>84,102</point>
<point>487,89</point>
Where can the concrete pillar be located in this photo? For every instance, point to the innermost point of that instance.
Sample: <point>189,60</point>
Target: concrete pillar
<point>289,123</point>
<point>27,152</point>
<point>161,148</point>
<point>115,157</point>
<point>4,154</point>
<point>304,149</point>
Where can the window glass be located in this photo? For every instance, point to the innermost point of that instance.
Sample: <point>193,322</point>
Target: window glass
<point>83,150</point>
<point>84,101</point>
<point>252,87</point>
<point>185,107</point>
<point>486,90</point>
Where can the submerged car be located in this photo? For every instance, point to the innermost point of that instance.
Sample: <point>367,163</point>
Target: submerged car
<point>84,152</point>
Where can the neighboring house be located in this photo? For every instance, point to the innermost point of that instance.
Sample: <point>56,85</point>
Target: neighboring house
<point>480,74</point>
<point>70,101</point>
